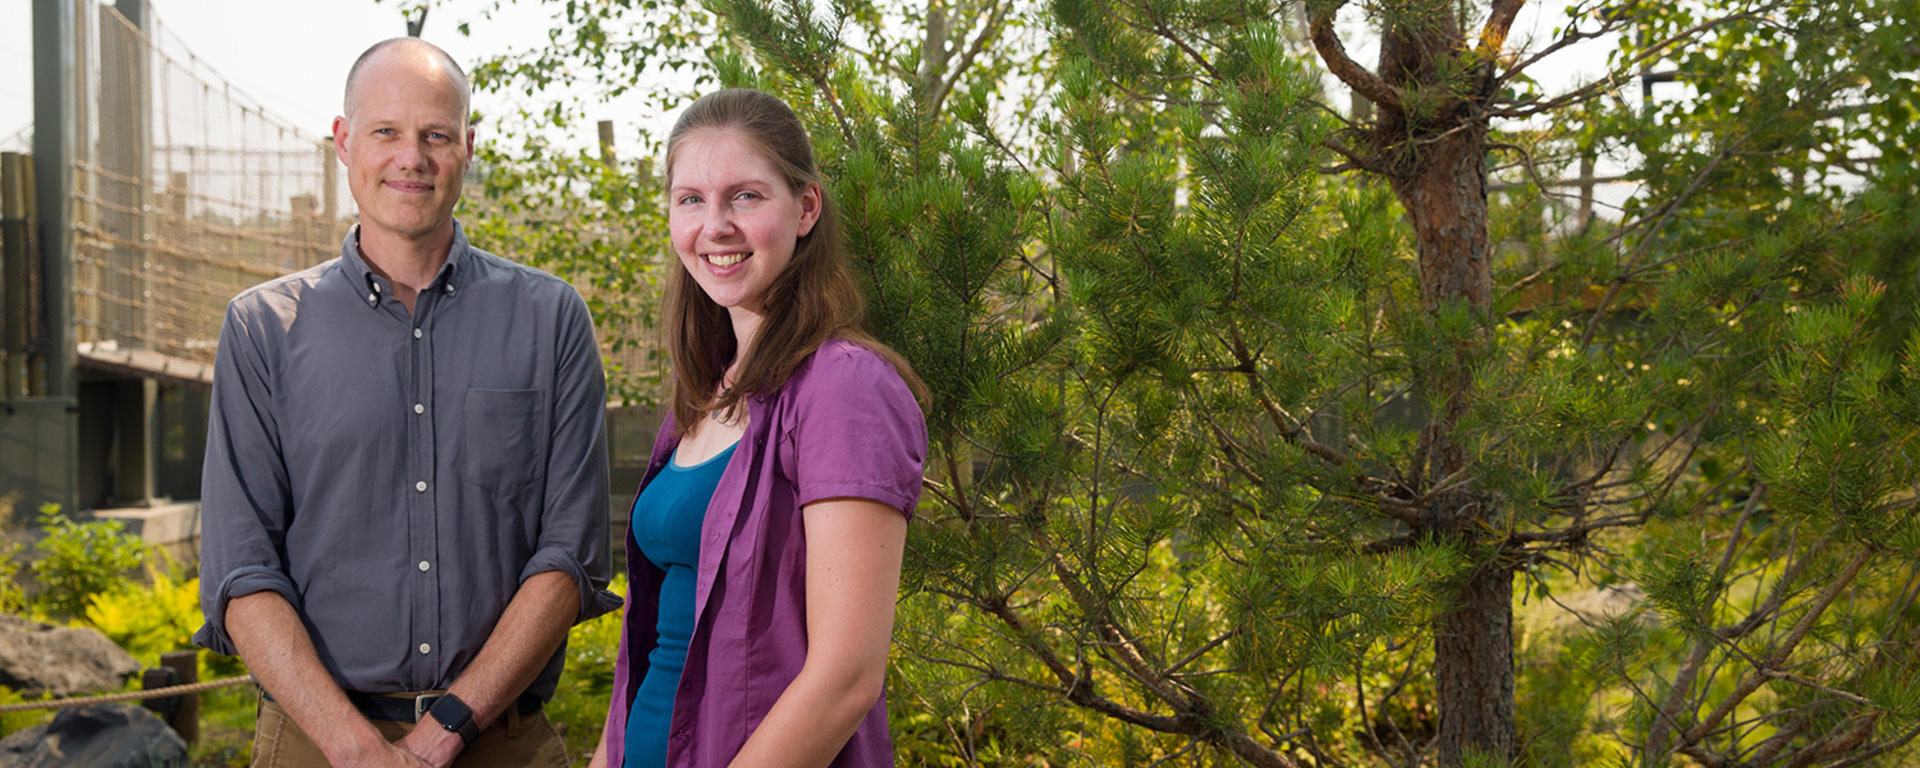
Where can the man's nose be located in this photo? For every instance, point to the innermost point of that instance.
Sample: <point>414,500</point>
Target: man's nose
<point>412,155</point>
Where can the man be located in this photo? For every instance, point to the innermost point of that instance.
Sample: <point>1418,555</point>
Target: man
<point>405,491</point>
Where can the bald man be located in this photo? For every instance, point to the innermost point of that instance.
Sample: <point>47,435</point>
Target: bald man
<point>404,504</point>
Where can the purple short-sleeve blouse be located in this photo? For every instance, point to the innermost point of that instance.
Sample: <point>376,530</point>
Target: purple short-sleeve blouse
<point>845,425</point>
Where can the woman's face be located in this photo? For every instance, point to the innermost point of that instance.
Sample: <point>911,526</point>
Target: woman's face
<point>733,218</point>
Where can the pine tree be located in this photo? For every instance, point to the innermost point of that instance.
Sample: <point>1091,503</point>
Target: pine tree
<point>1249,414</point>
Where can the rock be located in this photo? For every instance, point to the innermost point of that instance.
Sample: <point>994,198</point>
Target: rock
<point>36,658</point>
<point>119,735</point>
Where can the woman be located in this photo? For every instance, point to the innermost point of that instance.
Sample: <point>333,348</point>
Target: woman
<point>766,540</point>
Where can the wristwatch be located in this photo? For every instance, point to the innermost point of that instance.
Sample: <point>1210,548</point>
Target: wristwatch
<point>454,716</point>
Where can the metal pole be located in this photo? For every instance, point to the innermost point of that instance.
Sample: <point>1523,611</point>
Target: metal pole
<point>53,147</point>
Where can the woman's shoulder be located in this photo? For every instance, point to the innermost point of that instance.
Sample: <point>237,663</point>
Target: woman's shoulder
<point>844,374</point>
<point>842,362</point>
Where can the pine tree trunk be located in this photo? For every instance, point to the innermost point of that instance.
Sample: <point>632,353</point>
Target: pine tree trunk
<point>1473,668</point>
<point>1445,194</point>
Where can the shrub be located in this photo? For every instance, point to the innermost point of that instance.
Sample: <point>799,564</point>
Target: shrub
<point>81,560</point>
<point>151,619</point>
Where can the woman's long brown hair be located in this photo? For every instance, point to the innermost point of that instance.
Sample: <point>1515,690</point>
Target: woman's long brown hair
<point>814,299</point>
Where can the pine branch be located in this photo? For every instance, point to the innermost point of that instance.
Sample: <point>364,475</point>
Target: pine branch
<point>1841,740</point>
<point>1291,429</point>
<point>1165,32</point>
<point>989,31</point>
<point>1573,36</point>
<point>1879,749</point>
<point>1195,655</point>
<point>1493,36</point>
<point>1075,687</point>
<point>1334,53</point>
<point>1782,652</point>
<point>1660,219</point>
<point>1355,160</point>
<point>1625,72</point>
<point>1667,715</point>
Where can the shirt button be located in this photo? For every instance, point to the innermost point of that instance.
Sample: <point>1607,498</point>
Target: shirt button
<point>416,333</point>
<point>420,486</point>
<point>372,298</point>
<point>418,408</point>
<point>424,648</point>
<point>424,566</point>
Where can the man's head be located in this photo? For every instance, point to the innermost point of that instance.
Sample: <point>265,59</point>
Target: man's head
<point>405,140</point>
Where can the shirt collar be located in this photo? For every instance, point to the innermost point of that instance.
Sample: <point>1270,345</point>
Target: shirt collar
<point>372,288</point>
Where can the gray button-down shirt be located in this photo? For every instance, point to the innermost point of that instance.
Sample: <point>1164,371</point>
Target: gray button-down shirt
<point>396,477</point>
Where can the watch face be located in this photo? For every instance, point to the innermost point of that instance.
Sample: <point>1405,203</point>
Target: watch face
<point>451,712</point>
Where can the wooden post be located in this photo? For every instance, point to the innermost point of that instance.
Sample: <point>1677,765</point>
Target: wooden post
<point>607,156</point>
<point>1584,216</point>
<point>329,185</point>
<point>16,216</point>
<point>182,712</point>
<point>305,232</point>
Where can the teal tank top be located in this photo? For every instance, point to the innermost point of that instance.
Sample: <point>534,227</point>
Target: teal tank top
<point>665,525</point>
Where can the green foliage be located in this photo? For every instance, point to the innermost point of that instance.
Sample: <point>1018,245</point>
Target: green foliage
<point>80,560</point>
<point>149,619</point>
<point>1208,461</point>
<point>17,721</point>
<point>13,599</point>
<point>579,706</point>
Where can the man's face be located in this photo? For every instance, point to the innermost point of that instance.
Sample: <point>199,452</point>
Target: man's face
<point>406,146</point>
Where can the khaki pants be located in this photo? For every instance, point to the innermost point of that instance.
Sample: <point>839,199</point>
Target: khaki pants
<point>512,741</point>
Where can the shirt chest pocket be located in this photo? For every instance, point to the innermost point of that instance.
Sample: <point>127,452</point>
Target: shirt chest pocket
<point>504,447</point>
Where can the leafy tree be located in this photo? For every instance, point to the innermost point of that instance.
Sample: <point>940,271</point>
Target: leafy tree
<point>1249,413</point>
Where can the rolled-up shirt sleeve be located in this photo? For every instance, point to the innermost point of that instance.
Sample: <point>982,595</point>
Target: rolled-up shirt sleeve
<point>575,520</point>
<point>245,500</point>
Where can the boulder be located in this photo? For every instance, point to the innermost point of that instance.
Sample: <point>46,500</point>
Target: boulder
<point>36,658</point>
<point>119,735</point>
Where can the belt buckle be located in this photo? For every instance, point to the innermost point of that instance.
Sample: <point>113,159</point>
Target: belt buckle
<point>423,704</point>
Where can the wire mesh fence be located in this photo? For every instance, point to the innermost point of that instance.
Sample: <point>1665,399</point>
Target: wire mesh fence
<point>186,191</point>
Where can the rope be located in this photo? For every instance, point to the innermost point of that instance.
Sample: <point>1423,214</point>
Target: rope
<point>156,693</point>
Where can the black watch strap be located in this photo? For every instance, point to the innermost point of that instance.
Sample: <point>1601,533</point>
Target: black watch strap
<point>454,715</point>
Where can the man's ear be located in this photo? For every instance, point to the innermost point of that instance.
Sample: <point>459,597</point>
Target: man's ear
<point>340,139</point>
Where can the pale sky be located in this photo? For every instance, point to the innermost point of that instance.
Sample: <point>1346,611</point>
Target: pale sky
<point>292,56</point>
